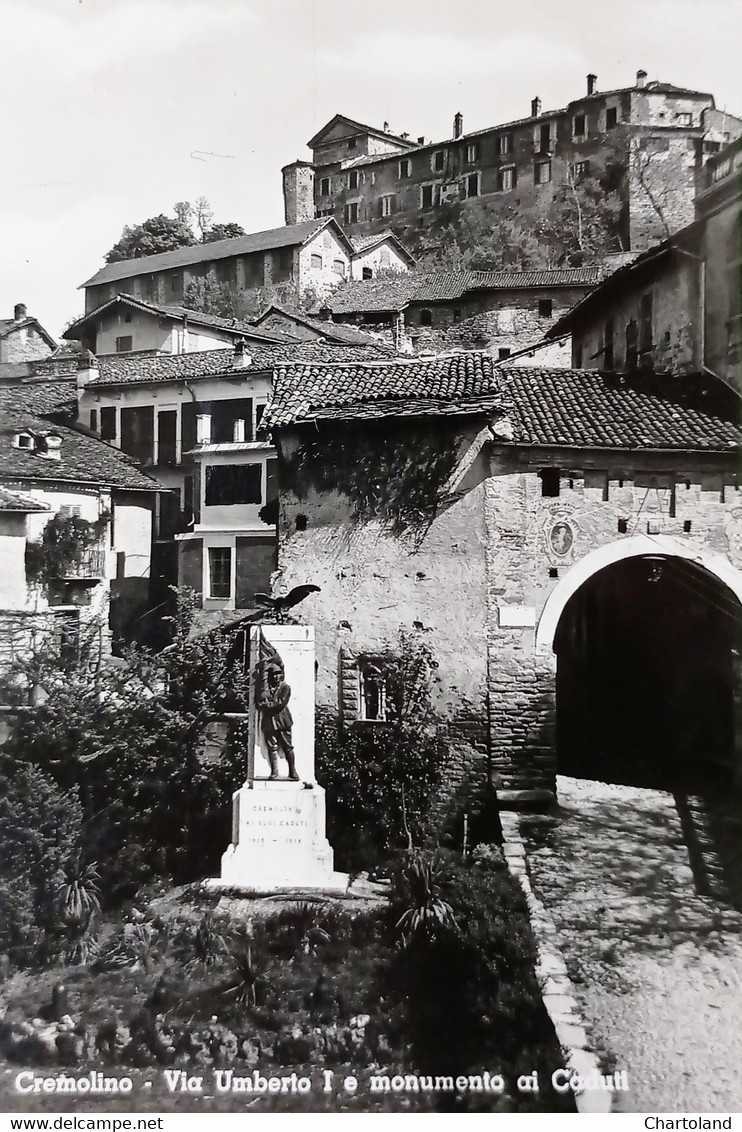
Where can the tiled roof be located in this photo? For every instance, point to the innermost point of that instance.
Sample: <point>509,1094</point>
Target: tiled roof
<point>19,501</point>
<point>8,325</point>
<point>590,409</point>
<point>123,370</point>
<point>83,459</point>
<point>554,407</point>
<point>304,392</point>
<point>333,331</point>
<point>395,293</point>
<point>168,310</point>
<point>366,243</point>
<point>50,398</point>
<point>287,236</point>
<point>548,277</point>
<point>360,127</point>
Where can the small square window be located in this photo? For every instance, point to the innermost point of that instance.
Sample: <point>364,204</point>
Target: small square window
<point>338,266</point>
<point>542,172</point>
<point>220,571</point>
<point>367,273</point>
<point>316,262</point>
<point>124,344</point>
<point>503,353</point>
<point>457,314</point>
<point>404,169</point>
<point>611,117</point>
<point>545,308</point>
<point>351,143</point>
<point>426,318</point>
<point>580,170</point>
<point>623,526</point>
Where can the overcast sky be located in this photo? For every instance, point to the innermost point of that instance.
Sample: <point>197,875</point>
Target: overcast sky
<point>115,109</point>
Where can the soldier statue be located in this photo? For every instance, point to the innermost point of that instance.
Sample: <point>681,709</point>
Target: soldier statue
<point>276,719</point>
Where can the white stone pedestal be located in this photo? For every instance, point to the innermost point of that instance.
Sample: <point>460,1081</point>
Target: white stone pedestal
<point>278,827</point>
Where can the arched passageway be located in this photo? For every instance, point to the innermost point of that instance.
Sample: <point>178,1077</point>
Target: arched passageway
<point>647,664</point>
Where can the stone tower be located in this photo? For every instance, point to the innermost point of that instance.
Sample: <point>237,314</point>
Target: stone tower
<point>298,192</point>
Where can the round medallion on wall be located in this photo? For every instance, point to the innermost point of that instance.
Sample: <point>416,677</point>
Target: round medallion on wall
<point>560,532</point>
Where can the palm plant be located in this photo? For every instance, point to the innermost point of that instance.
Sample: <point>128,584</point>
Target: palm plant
<point>419,894</point>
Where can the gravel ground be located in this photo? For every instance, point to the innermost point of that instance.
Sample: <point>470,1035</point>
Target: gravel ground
<point>657,967</point>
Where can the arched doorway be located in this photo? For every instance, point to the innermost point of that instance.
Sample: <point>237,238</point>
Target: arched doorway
<point>646,650</point>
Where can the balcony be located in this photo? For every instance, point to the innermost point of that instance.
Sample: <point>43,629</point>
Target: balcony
<point>87,565</point>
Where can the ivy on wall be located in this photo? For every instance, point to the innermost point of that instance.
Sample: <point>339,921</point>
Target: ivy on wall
<point>64,542</point>
<point>392,473</point>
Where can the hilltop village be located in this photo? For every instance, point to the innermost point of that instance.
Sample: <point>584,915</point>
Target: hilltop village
<point>436,484</point>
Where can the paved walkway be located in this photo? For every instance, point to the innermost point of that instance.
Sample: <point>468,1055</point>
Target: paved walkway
<point>656,963</point>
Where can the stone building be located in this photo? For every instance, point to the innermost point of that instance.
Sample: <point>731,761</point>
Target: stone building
<point>23,338</point>
<point>648,140</point>
<point>568,544</point>
<point>93,575</point>
<point>677,308</point>
<point>505,311</point>
<point>315,253</point>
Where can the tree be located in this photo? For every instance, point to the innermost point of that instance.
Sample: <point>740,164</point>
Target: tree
<point>223,232</point>
<point>128,739</point>
<point>158,234</point>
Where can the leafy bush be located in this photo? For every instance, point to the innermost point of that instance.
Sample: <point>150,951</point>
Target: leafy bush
<point>417,895</point>
<point>40,831</point>
<point>381,780</point>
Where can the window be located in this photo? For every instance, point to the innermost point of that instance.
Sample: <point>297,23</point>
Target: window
<point>175,285</point>
<point>542,172</point>
<point>351,213</point>
<point>283,264</point>
<point>427,198</point>
<point>353,179</point>
<point>367,273</point>
<point>472,152</point>
<point>544,137</point>
<point>124,344</point>
<point>324,187</point>
<point>580,170</point>
<point>254,269</point>
<point>608,331</point>
<point>108,423</point>
<point>550,482</point>
<point>684,119</point>
<point>138,433</point>
<point>338,266</point>
<point>503,353</point>
<point>325,212</point>
<point>404,169</point>
<point>229,485</point>
<point>505,143</point>
<point>167,421</point>
<point>579,125</point>
<point>373,690</point>
<point>611,117</point>
<point>457,314</point>
<point>351,143</point>
<point>439,161</point>
<point>545,308</point>
<point>220,571</point>
<point>69,640</point>
<point>506,179</point>
<point>631,345</point>
<point>426,317</point>
<point>386,206</point>
<point>316,262</point>
<point>471,186</point>
<point>94,420</point>
<point>645,323</point>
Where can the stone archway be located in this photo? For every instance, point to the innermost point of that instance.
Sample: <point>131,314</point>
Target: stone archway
<point>643,637</point>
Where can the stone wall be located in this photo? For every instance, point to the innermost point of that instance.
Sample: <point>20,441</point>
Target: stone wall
<point>476,585</point>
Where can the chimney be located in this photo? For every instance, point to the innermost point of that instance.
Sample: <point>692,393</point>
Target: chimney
<point>19,312</point>
<point>458,124</point>
<point>238,432</point>
<point>241,359</point>
<point>641,79</point>
<point>386,127</point>
<point>421,140</point>
<point>535,107</point>
<point>203,428</point>
<point>591,81</point>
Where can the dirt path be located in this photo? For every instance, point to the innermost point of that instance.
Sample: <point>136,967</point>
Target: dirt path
<point>657,967</point>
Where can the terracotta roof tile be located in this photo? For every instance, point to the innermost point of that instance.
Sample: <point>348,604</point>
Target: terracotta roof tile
<point>19,501</point>
<point>551,407</point>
